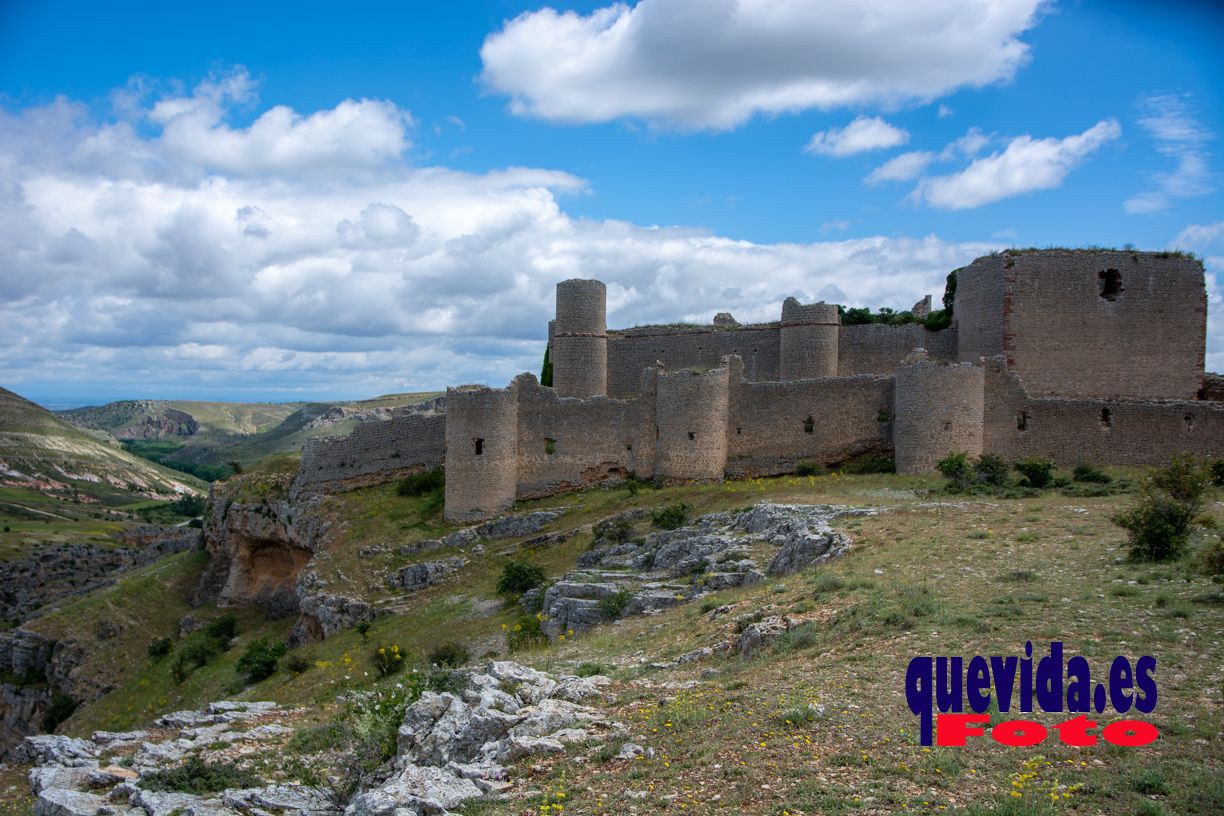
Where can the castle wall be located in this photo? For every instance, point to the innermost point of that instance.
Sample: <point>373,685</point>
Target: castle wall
<point>691,417</point>
<point>939,409</point>
<point>481,451</point>
<point>1120,325</point>
<point>565,443</point>
<point>769,432</point>
<point>1117,432</point>
<point>632,350</point>
<point>873,348</point>
<point>374,453</point>
<point>579,350</point>
<point>808,339</point>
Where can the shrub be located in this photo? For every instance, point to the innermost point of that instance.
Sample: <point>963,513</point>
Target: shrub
<point>519,576</point>
<point>446,681</point>
<point>388,659</point>
<point>1037,472</point>
<point>1160,523</point>
<point>363,629</point>
<point>224,627</point>
<point>199,777</point>
<point>671,516</point>
<point>1089,474</point>
<point>160,647</point>
<point>297,664</point>
<point>809,469</point>
<point>871,463</point>
<point>1217,475</point>
<point>525,634</point>
<point>956,469</point>
<point>59,709</point>
<point>590,669</point>
<point>613,606</point>
<point>421,483</point>
<point>365,734</point>
<point>1211,559</point>
<point>992,470</point>
<point>450,654</point>
<point>260,660</point>
<point>614,530</point>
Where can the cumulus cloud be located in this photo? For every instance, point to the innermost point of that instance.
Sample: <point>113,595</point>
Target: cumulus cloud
<point>905,167</point>
<point>863,134</point>
<point>1025,165</point>
<point>1208,241</point>
<point>715,63</point>
<point>1169,120</point>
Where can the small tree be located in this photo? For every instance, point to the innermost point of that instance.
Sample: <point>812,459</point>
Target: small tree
<point>519,576</point>
<point>956,469</point>
<point>260,660</point>
<point>1160,523</point>
<point>1037,472</point>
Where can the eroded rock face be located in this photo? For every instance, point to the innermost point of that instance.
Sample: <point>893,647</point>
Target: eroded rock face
<point>670,567</point>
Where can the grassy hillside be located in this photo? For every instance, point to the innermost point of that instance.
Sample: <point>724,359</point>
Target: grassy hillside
<point>61,484</point>
<point>204,438</point>
<point>815,724</point>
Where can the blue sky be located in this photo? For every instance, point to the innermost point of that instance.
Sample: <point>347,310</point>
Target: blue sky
<point>253,201</point>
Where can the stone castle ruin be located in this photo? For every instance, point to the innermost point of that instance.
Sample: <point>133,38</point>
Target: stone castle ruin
<point>1077,356</point>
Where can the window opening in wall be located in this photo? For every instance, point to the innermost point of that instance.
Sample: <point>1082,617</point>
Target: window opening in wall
<point>1111,284</point>
<point>947,426</point>
<point>739,431</point>
<point>1022,420</point>
<point>1189,420</point>
<point>692,435</point>
<point>550,446</point>
<point>809,425</point>
<point>1106,418</point>
<point>629,448</point>
<point>479,443</point>
<point>884,415</point>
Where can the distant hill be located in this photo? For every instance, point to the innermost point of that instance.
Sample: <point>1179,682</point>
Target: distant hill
<point>42,451</point>
<point>204,438</point>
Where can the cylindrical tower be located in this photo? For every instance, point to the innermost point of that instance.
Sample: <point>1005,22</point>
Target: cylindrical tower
<point>481,451</point>
<point>808,340</point>
<point>938,409</point>
<point>580,339</point>
<point>691,416</point>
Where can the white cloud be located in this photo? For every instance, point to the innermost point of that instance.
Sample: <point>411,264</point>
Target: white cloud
<point>1180,138</point>
<point>1208,241</point>
<point>945,112</point>
<point>715,63</point>
<point>129,272</point>
<point>906,167</point>
<point>861,135</point>
<point>967,146</point>
<point>1025,165</point>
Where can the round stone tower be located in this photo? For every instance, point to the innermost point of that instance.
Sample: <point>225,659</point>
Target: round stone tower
<point>938,409</point>
<point>809,340</point>
<point>580,339</point>
<point>691,415</point>
<point>481,451</point>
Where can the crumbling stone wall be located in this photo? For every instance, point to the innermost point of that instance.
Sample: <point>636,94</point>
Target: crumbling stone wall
<point>374,453</point>
<point>481,451</point>
<point>874,348</point>
<point>632,350</point>
<point>939,410</point>
<point>1117,432</point>
<point>1112,324</point>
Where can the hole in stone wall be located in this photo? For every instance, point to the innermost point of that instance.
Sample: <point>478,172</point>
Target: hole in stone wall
<point>1111,284</point>
<point>809,425</point>
<point>1189,420</point>
<point>1022,420</point>
<point>550,446</point>
<point>1106,418</point>
<point>739,431</point>
<point>947,426</point>
<point>479,445</point>
<point>629,448</point>
<point>692,435</point>
<point>884,415</point>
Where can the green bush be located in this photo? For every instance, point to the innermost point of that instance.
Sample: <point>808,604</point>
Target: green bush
<point>809,469</point>
<point>870,463</point>
<point>1037,472</point>
<point>1087,473</point>
<point>956,469</point>
<point>519,576</point>
<point>198,777</point>
<point>992,470</point>
<point>59,709</point>
<point>614,530</point>
<point>1159,524</point>
<point>160,647</point>
<point>613,606</point>
<point>260,660</point>
<point>671,516</point>
<point>1211,559</point>
<point>224,627</point>
<point>1217,473</point>
<point>421,483</point>
<point>590,669</point>
<point>197,650</point>
<point>450,654</point>
<point>297,664</point>
<point>525,634</point>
